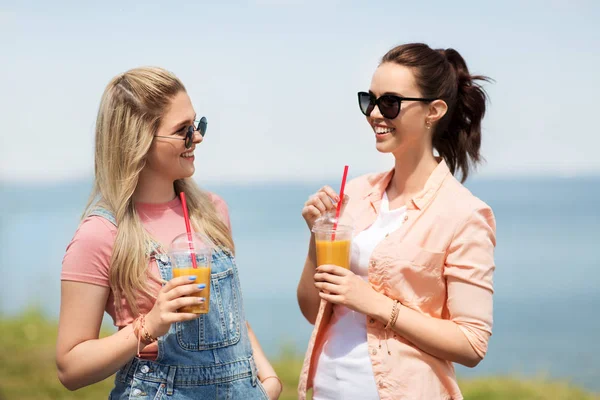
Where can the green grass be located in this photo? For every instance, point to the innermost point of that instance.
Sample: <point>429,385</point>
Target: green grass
<point>27,371</point>
<point>501,388</point>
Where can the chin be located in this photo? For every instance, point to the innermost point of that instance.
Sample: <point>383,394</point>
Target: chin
<point>384,147</point>
<point>186,174</point>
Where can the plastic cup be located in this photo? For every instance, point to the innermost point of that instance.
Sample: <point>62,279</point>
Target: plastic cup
<point>333,248</point>
<point>180,253</point>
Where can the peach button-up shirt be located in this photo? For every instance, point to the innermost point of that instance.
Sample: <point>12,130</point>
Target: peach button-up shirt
<point>440,262</point>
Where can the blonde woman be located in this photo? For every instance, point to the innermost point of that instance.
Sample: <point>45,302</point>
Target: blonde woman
<point>146,135</point>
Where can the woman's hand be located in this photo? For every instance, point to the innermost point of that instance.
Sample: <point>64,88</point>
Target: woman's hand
<point>273,388</point>
<point>320,203</point>
<point>174,295</point>
<point>338,285</point>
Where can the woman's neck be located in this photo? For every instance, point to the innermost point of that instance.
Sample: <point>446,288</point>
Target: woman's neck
<point>153,190</point>
<point>411,172</point>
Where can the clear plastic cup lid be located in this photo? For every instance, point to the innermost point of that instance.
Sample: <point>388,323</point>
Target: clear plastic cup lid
<point>201,244</point>
<point>326,222</point>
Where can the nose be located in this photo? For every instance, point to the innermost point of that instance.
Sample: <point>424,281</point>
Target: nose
<point>197,138</point>
<point>375,113</point>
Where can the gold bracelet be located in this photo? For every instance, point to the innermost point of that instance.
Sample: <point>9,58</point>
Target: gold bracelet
<point>393,316</point>
<point>141,331</point>
<point>396,315</point>
<point>148,338</point>
<point>278,380</point>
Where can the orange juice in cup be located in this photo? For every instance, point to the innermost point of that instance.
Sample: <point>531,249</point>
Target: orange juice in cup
<point>180,254</point>
<point>202,274</point>
<point>336,252</point>
<point>333,242</point>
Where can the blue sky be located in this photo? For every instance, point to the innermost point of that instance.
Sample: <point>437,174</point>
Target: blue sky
<point>277,80</point>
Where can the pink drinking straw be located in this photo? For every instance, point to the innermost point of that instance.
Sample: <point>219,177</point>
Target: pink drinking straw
<point>339,205</point>
<point>188,228</point>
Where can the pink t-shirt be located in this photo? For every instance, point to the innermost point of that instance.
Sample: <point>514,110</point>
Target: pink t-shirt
<point>87,258</point>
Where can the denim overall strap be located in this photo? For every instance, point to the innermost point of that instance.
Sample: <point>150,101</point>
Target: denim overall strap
<point>104,213</point>
<point>152,246</point>
<point>153,250</point>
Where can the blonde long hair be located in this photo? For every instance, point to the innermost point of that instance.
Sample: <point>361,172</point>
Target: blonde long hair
<point>129,116</point>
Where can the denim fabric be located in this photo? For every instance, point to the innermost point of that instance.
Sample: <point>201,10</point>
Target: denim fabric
<point>207,358</point>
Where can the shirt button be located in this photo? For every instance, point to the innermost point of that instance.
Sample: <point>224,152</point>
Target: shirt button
<point>144,369</point>
<point>406,218</point>
<point>371,321</point>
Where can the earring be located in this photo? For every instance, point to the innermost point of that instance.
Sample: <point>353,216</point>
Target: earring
<point>428,124</point>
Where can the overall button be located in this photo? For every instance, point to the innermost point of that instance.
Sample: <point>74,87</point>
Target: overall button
<point>163,257</point>
<point>136,392</point>
<point>144,369</point>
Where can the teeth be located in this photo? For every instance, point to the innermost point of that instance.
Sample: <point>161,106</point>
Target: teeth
<point>190,154</point>
<point>380,130</point>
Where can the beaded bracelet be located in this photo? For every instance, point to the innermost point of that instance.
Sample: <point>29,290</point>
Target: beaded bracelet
<point>139,328</point>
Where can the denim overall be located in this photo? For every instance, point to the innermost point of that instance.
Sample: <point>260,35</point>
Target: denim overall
<point>206,358</point>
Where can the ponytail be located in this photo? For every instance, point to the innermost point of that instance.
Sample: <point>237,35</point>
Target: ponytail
<point>443,74</point>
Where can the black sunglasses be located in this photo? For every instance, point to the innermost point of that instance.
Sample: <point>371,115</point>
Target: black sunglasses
<point>388,104</point>
<point>199,126</point>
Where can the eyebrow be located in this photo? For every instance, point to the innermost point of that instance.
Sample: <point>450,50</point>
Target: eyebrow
<point>388,93</point>
<point>393,94</point>
<point>183,124</point>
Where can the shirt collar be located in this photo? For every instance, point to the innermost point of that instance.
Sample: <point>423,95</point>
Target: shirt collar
<point>421,199</point>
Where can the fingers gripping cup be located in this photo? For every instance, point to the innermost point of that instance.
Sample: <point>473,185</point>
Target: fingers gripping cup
<point>181,255</point>
<point>333,241</point>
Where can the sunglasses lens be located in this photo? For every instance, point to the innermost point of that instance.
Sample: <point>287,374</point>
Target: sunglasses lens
<point>365,103</point>
<point>389,106</point>
<point>202,125</point>
<point>189,137</point>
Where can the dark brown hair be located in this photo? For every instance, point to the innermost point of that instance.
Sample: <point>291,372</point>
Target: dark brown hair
<point>443,74</point>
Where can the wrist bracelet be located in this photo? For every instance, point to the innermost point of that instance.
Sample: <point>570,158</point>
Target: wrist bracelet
<point>393,316</point>
<point>140,331</point>
<point>274,377</point>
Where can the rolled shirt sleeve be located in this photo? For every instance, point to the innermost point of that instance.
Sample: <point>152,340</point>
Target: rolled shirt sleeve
<point>469,276</point>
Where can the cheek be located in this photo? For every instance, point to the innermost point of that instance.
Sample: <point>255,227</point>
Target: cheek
<point>154,158</point>
<point>151,158</point>
<point>161,157</point>
<point>408,123</point>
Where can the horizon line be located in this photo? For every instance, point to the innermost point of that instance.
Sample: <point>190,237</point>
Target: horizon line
<point>296,180</point>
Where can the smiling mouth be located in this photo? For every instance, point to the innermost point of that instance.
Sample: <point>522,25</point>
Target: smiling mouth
<point>189,154</point>
<point>379,130</point>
